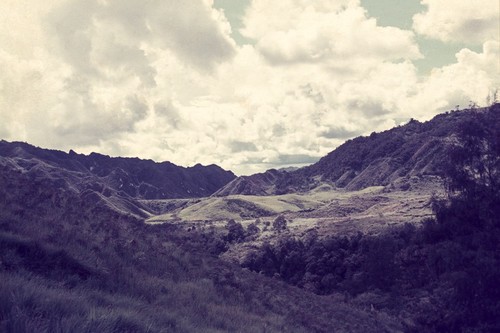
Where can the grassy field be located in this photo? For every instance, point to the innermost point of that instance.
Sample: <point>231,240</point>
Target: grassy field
<point>330,211</point>
<point>245,206</point>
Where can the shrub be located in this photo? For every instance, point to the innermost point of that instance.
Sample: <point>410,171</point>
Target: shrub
<point>235,231</point>
<point>279,223</point>
<point>253,229</point>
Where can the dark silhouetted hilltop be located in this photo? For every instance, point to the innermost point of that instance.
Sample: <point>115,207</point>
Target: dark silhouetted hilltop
<point>115,182</point>
<point>137,178</point>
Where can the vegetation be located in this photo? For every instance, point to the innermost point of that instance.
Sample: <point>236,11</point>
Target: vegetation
<point>235,231</point>
<point>279,223</point>
<point>442,277</point>
<point>72,265</point>
<point>412,149</point>
<point>71,262</point>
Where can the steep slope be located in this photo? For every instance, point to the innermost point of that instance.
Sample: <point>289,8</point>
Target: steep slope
<point>257,184</point>
<point>379,159</point>
<point>132,177</point>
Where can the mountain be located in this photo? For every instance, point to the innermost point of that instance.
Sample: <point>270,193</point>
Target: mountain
<point>257,184</point>
<point>113,181</point>
<point>77,256</point>
<point>414,149</point>
<point>70,261</point>
<point>141,179</point>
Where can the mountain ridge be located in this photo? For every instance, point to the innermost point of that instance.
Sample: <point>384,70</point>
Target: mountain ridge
<point>137,178</point>
<point>115,182</point>
<point>414,149</point>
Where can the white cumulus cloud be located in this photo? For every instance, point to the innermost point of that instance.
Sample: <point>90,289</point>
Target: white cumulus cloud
<point>459,21</point>
<point>471,78</point>
<point>164,80</point>
<point>331,31</point>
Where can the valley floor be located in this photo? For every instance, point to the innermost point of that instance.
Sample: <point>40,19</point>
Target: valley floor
<point>327,210</point>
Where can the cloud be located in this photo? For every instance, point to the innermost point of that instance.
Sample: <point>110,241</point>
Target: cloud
<point>118,55</point>
<point>92,32</point>
<point>338,132</point>
<point>239,146</point>
<point>459,21</point>
<point>300,32</point>
<point>294,159</point>
<point>78,73</point>
<point>163,80</point>
<point>168,115</point>
<point>472,78</point>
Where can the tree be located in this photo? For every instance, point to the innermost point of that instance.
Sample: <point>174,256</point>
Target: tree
<point>279,223</point>
<point>235,231</point>
<point>252,229</point>
<point>266,225</point>
<point>464,236</point>
<point>473,171</point>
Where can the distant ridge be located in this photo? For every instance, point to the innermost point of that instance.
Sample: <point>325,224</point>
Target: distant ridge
<point>116,181</point>
<point>142,179</point>
<point>415,149</point>
<point>256,184</point>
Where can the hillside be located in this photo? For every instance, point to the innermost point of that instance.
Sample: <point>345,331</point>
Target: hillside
<point>69,264</point>
<point>440,275</point>
<point>257,184</point>
<point>141,179</point>
<point>414,149</point>
<point>82,251</point>
<point>326,210</point>
<point>119,183</point>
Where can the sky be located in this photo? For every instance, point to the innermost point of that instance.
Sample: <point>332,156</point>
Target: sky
<point>245,84</point>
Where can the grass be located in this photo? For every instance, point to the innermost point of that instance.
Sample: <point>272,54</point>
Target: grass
<point>68,265</point>
<point>249,206</point>
<point>325,209</point>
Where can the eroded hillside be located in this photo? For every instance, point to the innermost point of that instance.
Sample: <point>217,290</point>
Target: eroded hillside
<point>415,149</point>
<point>133,177</point>
<point>69,264</point>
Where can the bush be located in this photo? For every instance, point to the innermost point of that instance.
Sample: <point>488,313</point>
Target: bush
<point>235,231</point>
<point>279,223</point>
<point>253,229</point>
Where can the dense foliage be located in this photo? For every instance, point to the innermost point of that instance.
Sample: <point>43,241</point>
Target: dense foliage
<point>440,277</point>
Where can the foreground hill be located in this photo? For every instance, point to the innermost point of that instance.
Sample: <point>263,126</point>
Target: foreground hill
<point>69,264</point>
<point>414,149</point>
